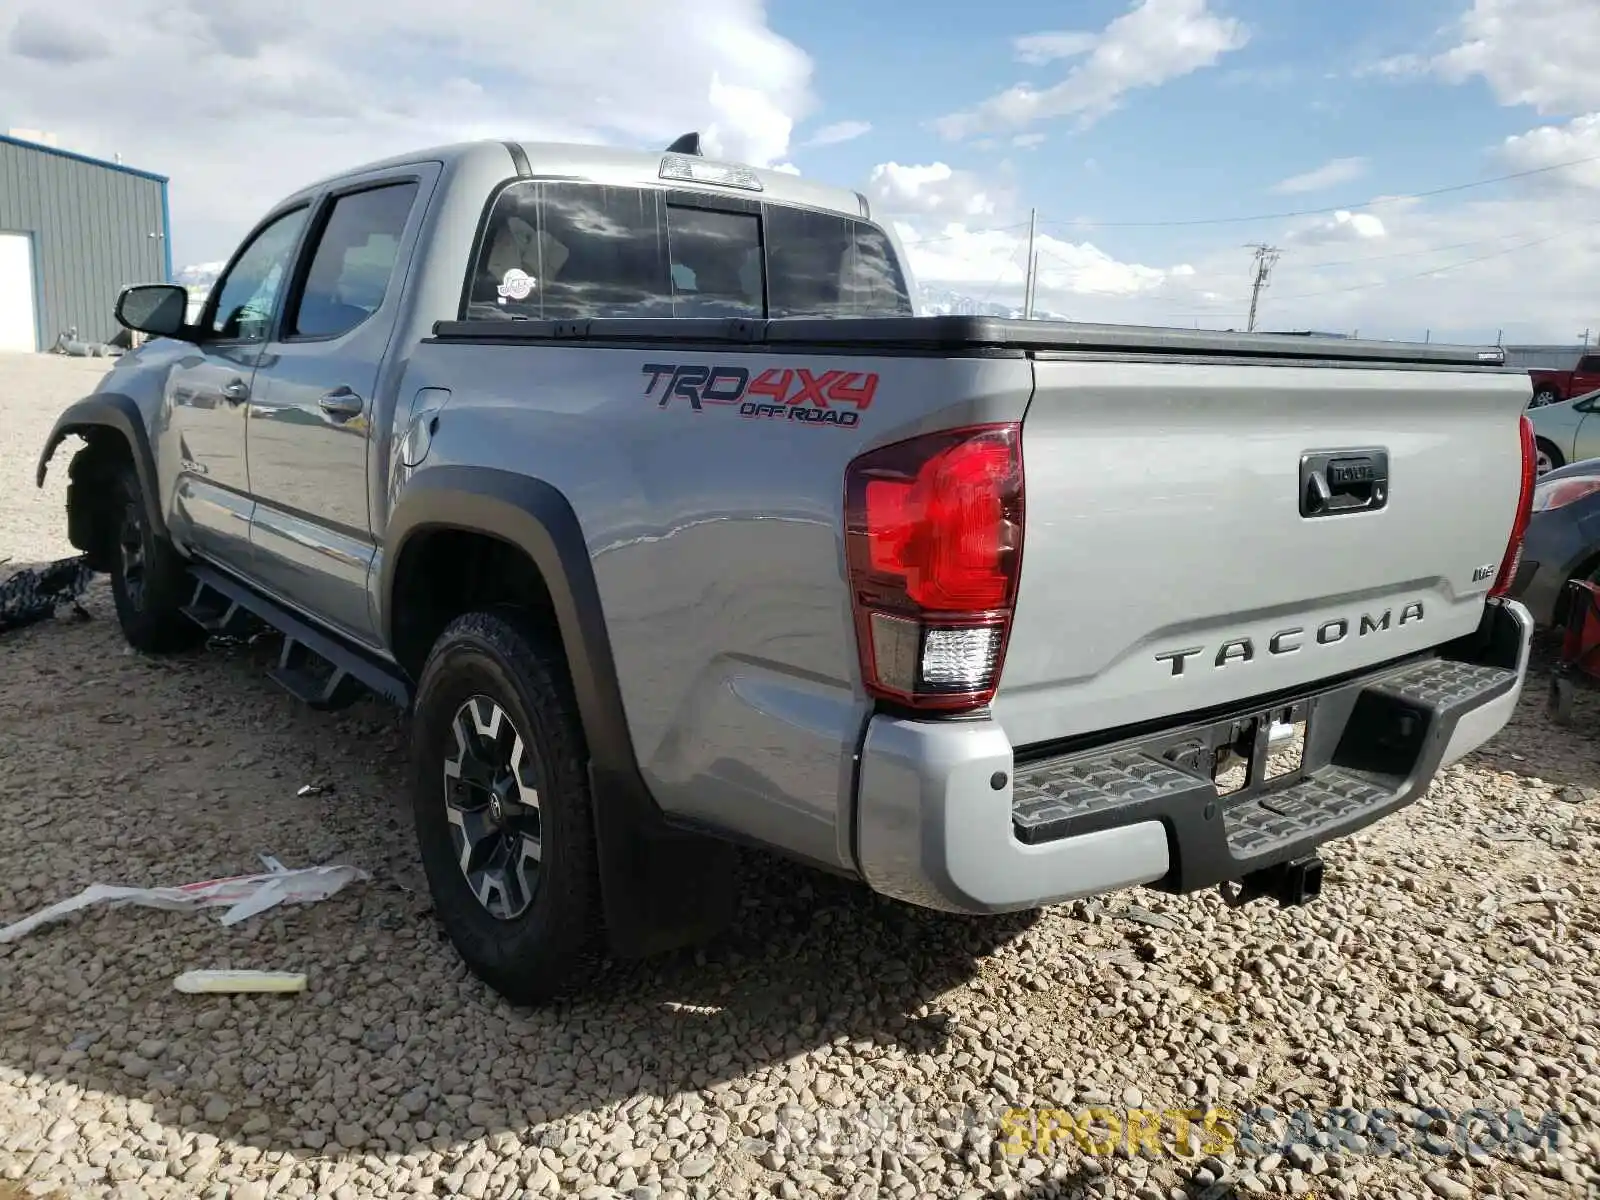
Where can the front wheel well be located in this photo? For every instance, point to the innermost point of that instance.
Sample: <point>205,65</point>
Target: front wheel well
<point>91,491</point>
<point>443,573</point>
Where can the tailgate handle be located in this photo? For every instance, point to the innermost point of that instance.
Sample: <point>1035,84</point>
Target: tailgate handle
<point>1343,481</point>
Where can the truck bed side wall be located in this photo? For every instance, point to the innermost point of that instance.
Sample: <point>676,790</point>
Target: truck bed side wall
<point>717,546</point>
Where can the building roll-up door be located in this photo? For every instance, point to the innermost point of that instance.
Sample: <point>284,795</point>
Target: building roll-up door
<point>18,329</point>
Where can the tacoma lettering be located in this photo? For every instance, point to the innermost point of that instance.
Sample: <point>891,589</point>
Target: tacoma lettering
<point>1290,641</point>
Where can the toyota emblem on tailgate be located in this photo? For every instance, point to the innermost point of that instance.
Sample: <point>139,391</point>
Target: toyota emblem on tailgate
<point>1334,482</point>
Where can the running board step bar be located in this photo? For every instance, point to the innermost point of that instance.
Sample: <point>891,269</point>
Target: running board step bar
<point>223,605</point>
<point>218,615</point>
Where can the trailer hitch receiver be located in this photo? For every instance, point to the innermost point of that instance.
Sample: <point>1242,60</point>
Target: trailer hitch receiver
<point>1292,883</point>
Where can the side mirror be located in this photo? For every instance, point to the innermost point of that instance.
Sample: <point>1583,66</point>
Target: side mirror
<point>159,309</point>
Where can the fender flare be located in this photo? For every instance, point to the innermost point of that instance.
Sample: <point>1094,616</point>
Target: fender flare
<point>111,410</point>
<point>535,518</point>
<point>662,886</point>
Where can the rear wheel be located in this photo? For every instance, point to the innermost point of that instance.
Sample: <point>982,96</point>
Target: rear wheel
<point>502,809</point>
<point>149,582</point>
<point>1544,396</point>
<point>1547,457</point>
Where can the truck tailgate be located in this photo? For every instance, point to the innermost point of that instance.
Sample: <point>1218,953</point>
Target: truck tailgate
<point>1168,567</point>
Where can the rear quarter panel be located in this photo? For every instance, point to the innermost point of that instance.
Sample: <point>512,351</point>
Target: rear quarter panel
<point>717,545</point>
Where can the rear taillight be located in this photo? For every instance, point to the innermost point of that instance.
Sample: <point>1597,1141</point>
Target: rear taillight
<point>1530,471</point>
<point>933,535</point>
<point>1551,494</point>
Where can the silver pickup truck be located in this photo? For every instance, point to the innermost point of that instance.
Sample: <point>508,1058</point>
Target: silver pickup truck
<point>635,479</point>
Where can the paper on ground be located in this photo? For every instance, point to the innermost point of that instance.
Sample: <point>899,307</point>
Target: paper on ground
<point>225,982</point>
<point>243,895</point>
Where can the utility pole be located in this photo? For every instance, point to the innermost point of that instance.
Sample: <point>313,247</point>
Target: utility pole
<point>1586,339</point>
<point>1266,259</point>
<point>1033,265</point>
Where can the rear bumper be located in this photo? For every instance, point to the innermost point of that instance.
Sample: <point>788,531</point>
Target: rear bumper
<point>947,818</point>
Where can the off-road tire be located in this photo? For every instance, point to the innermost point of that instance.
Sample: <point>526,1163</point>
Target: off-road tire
<point>548,948</point>
<point>149,582</point>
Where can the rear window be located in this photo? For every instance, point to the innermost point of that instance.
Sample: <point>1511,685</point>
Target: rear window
<point>1589,365</point>
<point>716,262</point>
<point>568,251</point>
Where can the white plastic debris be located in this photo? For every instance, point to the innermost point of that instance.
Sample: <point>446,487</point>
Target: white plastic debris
<point>244,896</point>
<point>237,982</point>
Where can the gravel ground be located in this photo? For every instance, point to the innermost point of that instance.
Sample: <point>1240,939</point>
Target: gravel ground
<point>1450,963</point>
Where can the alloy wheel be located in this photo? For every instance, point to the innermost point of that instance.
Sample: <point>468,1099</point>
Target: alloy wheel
<point>492,804</point>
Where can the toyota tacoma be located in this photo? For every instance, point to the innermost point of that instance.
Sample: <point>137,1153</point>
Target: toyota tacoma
<point>636,480</point>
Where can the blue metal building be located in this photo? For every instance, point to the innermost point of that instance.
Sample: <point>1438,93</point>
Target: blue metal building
<point>73,231</point>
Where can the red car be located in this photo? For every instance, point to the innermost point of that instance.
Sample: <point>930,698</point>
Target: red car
<point>1551,387</point>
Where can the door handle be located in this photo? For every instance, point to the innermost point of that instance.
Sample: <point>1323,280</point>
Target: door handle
<point>342,402</point>
<point>236,391</point>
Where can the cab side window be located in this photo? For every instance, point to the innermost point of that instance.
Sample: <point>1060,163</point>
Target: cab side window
<point>248,295</point>
<point>354,262</point>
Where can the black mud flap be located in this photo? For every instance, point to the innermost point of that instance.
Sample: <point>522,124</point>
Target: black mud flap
<point>662,888</point>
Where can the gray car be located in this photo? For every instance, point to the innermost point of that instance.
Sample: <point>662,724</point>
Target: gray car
<point>1567,431</point>
<point>1563,539</point>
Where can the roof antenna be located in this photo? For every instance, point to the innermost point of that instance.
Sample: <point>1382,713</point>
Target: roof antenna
<point>689,143</point>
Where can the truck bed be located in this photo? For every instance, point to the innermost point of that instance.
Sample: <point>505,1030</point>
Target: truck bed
<point>1168,567</point>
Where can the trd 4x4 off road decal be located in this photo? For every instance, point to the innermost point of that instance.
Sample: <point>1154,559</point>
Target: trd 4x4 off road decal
<point>835,398</point>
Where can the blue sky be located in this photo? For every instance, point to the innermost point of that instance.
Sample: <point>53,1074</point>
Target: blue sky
<point>1307,86</point>
<point>955,118</point>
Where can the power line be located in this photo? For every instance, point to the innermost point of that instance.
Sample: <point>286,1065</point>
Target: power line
<point>999,279</point>
<point>1333,208</point>
<point>1372,258</point>
<point>950,237</point>
<point>1358,287</point>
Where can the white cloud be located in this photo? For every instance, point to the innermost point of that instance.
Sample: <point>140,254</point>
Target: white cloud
<point>839,131</point>
<point>989,264</point>
<point>1155,41</point>
<point>1329,174</point>
<point>788,168</point>
<point>1397,66</point>
<point>1342,226</point>
<point>936,189</point>
<point>241,104</point>
<point>1048,47</point>
<point>1403,268</point>
<point>1540,53</point>
<point>1028,141</point>
<point>1554,145</point>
